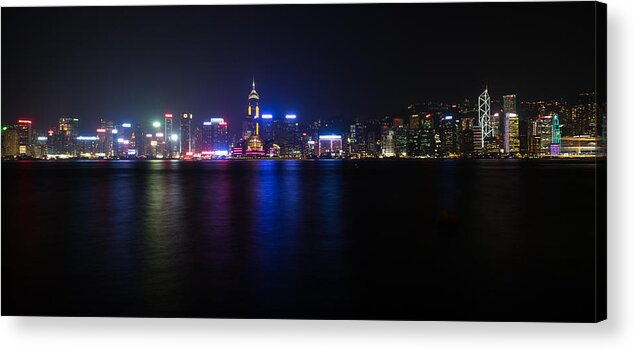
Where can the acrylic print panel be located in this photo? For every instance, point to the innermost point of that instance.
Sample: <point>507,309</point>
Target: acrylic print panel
<point>384,162</point>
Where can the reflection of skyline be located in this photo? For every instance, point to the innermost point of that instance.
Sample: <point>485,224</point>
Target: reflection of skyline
<point>163,244</point>
<point>296,239</point>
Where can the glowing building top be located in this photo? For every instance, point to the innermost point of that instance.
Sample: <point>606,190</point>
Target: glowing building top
<point>254,106</point>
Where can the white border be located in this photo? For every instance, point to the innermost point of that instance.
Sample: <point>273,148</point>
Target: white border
<point>615,333</point>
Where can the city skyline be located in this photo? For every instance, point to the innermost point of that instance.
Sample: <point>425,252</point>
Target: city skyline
<point>371,161</point>
<point>487,128</point>
<point>136,68</point>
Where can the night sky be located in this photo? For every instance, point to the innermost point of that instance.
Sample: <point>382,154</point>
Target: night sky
<point>316,61</point>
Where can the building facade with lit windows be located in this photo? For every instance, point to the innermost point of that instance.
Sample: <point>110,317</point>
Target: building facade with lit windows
<point>10,141</point>
<point>186,136</point>
<point>24,137</point>
<point>66,136</point>
<point>171,139</point>
<point>330,146</point>
<point>388,142</point>
<point>448,136</point>
<point>511,133</point>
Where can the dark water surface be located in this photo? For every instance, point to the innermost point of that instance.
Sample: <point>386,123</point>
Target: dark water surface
<point>428,239</point>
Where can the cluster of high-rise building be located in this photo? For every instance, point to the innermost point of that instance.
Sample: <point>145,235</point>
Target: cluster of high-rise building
<point>486,128</point>
<point>112,140</point>
<point>472,128</point>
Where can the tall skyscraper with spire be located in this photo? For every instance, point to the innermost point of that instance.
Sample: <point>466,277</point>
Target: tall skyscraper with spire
<point>253,113</point>
<point>484,115</point>
<point>251,125</point>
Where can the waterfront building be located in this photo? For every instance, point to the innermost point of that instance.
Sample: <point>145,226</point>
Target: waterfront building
<point>581,145</point>
<point>330,146</point>
<point>214,138</point>
<point>477,139</point>
<point>555,146</point>
<point>171,138</point>
<point>66,136</point>
<point>89,146</point>
<point>220,142</point>
<point>585,115</point>
<point>427,139</point>
<point>186,136</point>
<point>413,135</point>
<point>289,138</point>
<point>545,132</point>
<point>266,128</point>
<point>388,142</point>
<point>137,142</point>
<point>358,139</point>
<point>107,137</point>
<point>448,136</point>
<point>511,133</point>
<point>40,146</point>
<point>253,113</point>
<point>24,137</point>
<point>206,138</point>
<point>484,116</point>
<point>400,137</point>
<point>465,136</point>
<point>10,141</point>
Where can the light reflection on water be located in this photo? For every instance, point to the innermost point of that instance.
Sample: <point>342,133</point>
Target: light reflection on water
<point>331,239</point>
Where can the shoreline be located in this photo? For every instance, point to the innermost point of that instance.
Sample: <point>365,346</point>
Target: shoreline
<point>304,159</point>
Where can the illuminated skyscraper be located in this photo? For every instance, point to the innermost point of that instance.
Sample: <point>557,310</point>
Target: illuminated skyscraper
<point>545,132</point>
<point>101,141</point>
<point>484,115</point>
<point>358,139</point>
<point>556,129</point>
<point>496,125</point>
<point>388,142</point>
<point>266,127</point>
<point>509,105</point>
<point>253,113</point>
<point>511,133</point>
<point>555,146</point>
<point>448,136</point>
<point>186,133</point>
<point>214,137</point>
<point>206,138</point>
<point>289,137</point>
<point>252,144</point>
<point>89,146</point>
<point>66,137</point>
<point>106,146</point>
<point>171,139</point>
<point>400,137</point>
<point>427,139</point>
<point>330,146</point>
<point>220,143</point>
<point>585,115</point>
<point>24,136</point>
<point>137,142</point>
<point>465,135</point>
<point>40,146</point>
<point>413,132</point>
<point>10,141</point>
<point>477,139</point>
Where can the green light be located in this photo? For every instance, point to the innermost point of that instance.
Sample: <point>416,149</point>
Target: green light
<point>156,124</point>
<point>4,128</point>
